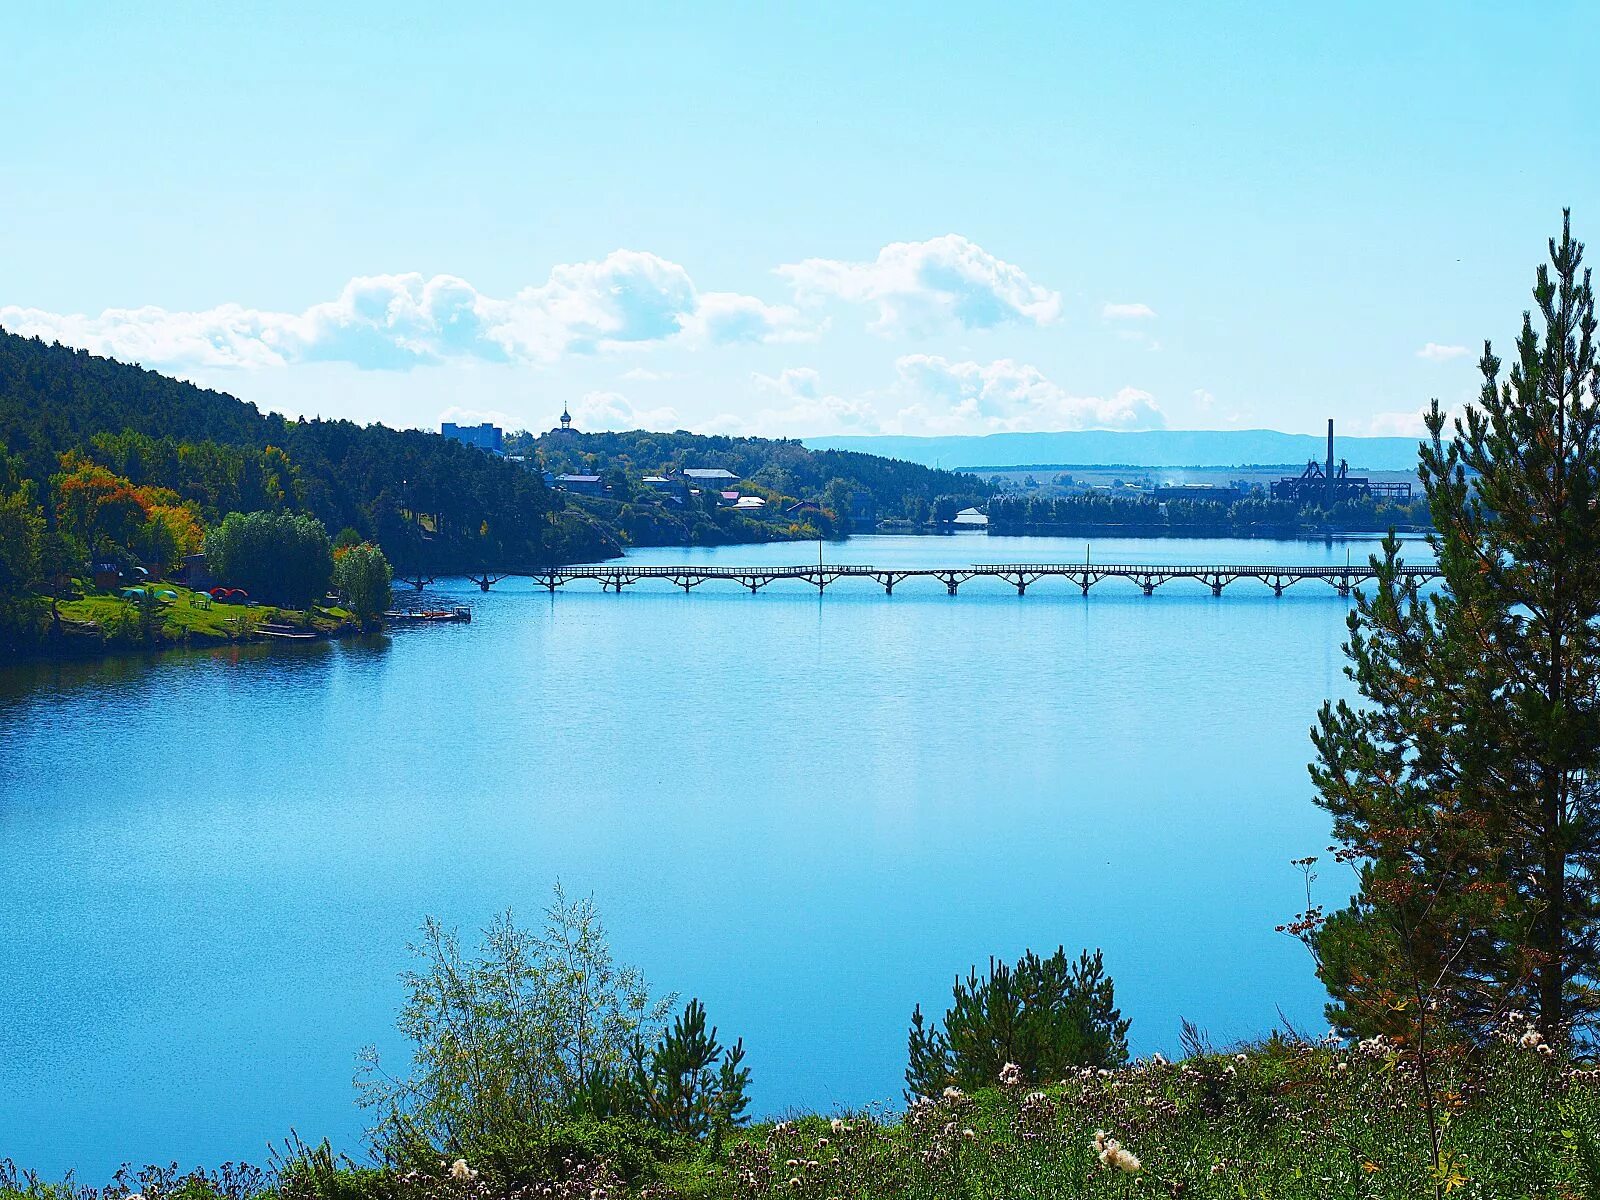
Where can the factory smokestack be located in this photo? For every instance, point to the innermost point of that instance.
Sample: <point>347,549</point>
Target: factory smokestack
<point>1327,486</point>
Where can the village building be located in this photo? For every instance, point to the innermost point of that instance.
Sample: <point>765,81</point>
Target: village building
<point>483,437</point>
<point>582,485</point>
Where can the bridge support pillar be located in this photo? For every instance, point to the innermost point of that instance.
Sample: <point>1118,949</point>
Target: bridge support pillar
<point>1149,588</point>
<point>1216,589</point>
<point>1085,587</point>
<point>1277,589</point>
<point>1022,588</point>
<point>888,587</point>
<point>950,585</point>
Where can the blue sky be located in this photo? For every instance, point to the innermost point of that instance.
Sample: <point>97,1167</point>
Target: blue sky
<point>796,220</point>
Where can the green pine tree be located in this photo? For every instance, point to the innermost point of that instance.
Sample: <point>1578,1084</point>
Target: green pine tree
<point>1465,786</point>
<point>1046,1016</point>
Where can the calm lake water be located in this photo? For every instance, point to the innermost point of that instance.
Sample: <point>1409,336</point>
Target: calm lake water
<point>809,812</point>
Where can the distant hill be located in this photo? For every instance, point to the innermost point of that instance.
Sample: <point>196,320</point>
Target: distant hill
<point>1151,448</point>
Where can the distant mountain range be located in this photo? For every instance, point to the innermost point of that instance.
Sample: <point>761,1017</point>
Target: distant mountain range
<point>1151,448</point>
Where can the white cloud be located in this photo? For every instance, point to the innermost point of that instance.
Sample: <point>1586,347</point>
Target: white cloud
<point>396,321</point>
<point>800,407</point>
<point>1008,396</point>
<point>613,411</point>
<point>1434,352</point>
<point>229,336</point>
<point>920,287</point>
<point>1393,424</point>
<point>721,318</point>
<point>477,416</point>
<point>1127,312</point>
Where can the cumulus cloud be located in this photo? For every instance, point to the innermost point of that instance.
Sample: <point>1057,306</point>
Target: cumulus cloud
<point>1400,424</point>
<point>396,321</point>
<point>614,411</point>
<point>1434,352</point>
<point>797,405</point>
<point>920,287</point>
<point>722,318</point>
<point>1008,396</point>
<point>478,416</point>
<point>1127,312</point>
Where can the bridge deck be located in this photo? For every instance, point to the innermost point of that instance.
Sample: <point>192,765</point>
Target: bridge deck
<point>1149,576</point>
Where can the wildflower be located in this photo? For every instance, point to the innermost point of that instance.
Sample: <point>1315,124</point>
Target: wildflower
<point>1119,1159</point>
<point>460,1171</point>
<point>1531,1039</point>
<point>1010,1075</point>
<point>953,1094</point>
<point>969,1134</point>
<point>1100,1139</point>
<point>837,1126</point>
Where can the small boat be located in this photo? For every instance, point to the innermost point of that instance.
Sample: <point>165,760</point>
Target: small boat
<point>429,615</point>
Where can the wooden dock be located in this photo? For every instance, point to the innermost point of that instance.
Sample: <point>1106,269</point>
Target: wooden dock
<point>1148,577</point>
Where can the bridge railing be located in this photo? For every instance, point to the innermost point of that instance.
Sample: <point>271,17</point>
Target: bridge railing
<point>652,571</point>
<point>1305,571</point>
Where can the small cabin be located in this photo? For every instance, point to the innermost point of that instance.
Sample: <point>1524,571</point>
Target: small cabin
<point>195,574</point>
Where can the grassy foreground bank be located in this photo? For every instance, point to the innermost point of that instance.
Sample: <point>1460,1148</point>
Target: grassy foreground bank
<point>1285,1119</point>
<point>96,622</point>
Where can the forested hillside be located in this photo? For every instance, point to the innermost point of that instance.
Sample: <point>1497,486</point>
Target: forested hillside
<point>430,502</point>
<point>781,467</point>
<point>90,433</point>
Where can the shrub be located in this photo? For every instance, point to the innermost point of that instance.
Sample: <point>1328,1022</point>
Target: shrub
<point>1042,1017</point>
<point>510,1041</point>
<point>685,1085</point>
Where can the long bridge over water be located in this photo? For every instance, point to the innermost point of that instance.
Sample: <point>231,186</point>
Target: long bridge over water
<point>1148,577</point>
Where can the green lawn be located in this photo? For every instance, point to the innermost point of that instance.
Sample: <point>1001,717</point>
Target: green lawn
<point>193,618</point>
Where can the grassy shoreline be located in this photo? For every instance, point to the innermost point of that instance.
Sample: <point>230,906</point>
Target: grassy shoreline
<point>1300,1121</point>
<point>97,623</point>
